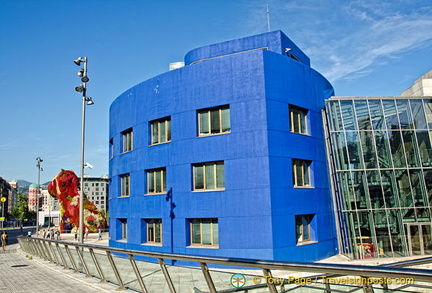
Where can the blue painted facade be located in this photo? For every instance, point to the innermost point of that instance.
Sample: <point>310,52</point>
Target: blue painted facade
<point>259,80</point>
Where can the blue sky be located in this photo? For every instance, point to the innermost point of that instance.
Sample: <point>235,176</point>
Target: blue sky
<point>364,48</point>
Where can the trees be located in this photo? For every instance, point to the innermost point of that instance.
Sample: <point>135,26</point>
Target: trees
<point>21,211</point>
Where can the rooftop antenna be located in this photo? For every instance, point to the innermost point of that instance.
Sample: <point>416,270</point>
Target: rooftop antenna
<point>268,18</point>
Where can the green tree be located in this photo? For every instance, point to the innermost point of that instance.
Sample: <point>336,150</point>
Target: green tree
<point>21,210</point>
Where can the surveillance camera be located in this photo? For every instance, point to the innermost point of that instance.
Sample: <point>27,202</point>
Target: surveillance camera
<point>88,165</point>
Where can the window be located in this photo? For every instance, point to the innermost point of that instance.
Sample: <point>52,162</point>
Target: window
<point>298,120</point>
<point>301,173</point>
<point>209,176</point>
<point>154,230</point>
<point>123,229</point>
<point>303,228</point>
<point>125,185</point>
<point>204,232</point>
<point>127,140</point>
<point>156,180</point>
<point>160,130</point>
<point>214,121</point>
<point>111,148</point>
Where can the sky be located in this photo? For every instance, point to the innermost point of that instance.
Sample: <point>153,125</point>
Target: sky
<point>363,47</point>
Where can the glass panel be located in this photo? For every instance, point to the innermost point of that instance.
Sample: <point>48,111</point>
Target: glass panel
<point>340,149</point>
<point>428,179</point>
<point>150,182</point>
<point>375,192</point>
<point>220,175</point>
<point>405,118</point>
<point>383,150</point>
<point>158,181</point>
<point>415,239</point>
<point>226,125</point>
<point>196,231</point>
<point>215,232</point>
<point>215,122</point>
<point>369,152</point>
<point>158,228</point>
<point>397,149</point>
<point>355,157</point>
<point>204,122</point>
<point>206,232</point>
<point>295,122</point>
<point>363,117</point>
<point>377,115</point>
<point>417,188</point>
<point>162,132</point>
<point>305,226</point>
<point>210,176</point>
<point>428,111</point>
<point>168,125</point>
<point>336,117</point>
<point>150,231</point>
<point>427,238</point>
<point>398,238</point>
<point>303,123</point>
<point>390,189</point>
<point>411,148</point>
<point>418,114</point>
<point>155,132</point>
<point>306,173</point>
<point>348,198</point>
<point>390,112</point>
<point>359,184</point>
<point>299,228</point>
<point>348,115</point>
<point>425,150</point>
<point>199,177</point>
<point>163,180</point>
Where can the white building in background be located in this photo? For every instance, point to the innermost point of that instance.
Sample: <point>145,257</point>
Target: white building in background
<point>421,87</point>
<point>96,190</point>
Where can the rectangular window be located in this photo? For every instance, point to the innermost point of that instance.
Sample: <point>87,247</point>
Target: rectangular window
<point>123,229</point>
<point>154,230</point>
<point>298,119</point>
<point>127,140</point>
<point>214,121</point>
<point>204,232</point>
<point>301,173</point>
<point>125,185</point>
<point>111,148</point>
<point>209,176</point>
<point>156,180</point>
<point>160,130</point>
<point>303,228</point>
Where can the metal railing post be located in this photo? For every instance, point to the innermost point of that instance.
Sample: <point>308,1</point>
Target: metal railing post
<point>272,287</point>
<point>53,253</point>
<point>137,273</point>
<point>116,273</point>
<point>98,268</point>
<point>207,277</point>
<point>81,257</point>
<point>64,263</point>
<point>166,275</point>
<point>71,259</point>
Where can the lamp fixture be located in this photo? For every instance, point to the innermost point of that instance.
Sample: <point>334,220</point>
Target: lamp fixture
<point>79,60</point>
<point>89,101</point>
<point>79,88</point>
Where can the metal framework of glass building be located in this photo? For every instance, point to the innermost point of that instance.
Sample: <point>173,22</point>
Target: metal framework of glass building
<point>381,165</point>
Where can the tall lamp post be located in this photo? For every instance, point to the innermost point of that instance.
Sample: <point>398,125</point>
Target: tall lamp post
<point>38,165</point>
<point>82,88</point>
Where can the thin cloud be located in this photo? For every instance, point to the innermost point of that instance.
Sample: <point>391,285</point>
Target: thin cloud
<point>350,39</point>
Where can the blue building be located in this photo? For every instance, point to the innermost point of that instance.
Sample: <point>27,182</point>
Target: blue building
<point>225,156</point>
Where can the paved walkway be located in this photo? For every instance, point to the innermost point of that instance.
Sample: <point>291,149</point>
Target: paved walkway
<point>19,273</point>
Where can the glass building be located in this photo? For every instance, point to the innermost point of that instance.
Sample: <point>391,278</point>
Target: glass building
<point>381,168</point>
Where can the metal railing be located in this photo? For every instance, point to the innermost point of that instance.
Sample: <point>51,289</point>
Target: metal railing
<point>115,265</point>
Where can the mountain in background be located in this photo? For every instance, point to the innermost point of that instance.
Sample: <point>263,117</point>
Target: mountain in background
<point>23,186</point>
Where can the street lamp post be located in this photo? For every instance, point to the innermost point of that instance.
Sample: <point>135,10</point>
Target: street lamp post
<point>82,88</point>
<point>39,161</point>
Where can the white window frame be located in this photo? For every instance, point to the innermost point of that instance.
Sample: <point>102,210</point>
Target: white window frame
<point>158,123</point>
<point>217,127</point>
<point>304,178</point>
<point>127,140</point>
<point>216,175</point>
<point>299,115</point>
<point>214,232</point>
<point>151,234</point>
<point>125,185</point>
<point>162,177</point>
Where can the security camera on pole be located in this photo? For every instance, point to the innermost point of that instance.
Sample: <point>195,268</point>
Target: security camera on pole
<point>82,88</point>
